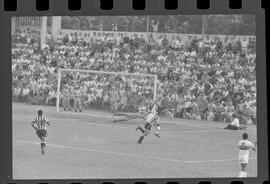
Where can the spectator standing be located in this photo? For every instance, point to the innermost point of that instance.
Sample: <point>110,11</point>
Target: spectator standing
<point>114,99</point>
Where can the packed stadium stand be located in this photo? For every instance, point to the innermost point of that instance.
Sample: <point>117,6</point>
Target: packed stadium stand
<point>202,78</point>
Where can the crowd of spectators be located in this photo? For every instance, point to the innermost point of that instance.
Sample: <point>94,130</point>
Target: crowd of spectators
<point>202,78</point>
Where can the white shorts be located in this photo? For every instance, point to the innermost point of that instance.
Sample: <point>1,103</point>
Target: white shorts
<point>243,159</point>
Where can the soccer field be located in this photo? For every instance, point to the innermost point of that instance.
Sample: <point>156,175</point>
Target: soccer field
<point>89,145</point>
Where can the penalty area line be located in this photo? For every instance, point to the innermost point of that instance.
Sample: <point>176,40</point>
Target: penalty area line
<point>162,132</point>
<point>87,114</point>
<point>192,131</point>
<point>127,154</point>
<point>104,125</point>
<point>100,115</point>
<point>164,121</point>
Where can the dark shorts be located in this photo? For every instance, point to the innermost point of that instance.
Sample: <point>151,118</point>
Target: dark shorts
<point>232,127</point>
<point>41,133</point>
<point>147,126</point>
<point>204,110</point>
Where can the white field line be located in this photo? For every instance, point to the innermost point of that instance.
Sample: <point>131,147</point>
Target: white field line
<point>105,125</point>
<point>115,117</point>
<point>90,123</point>
<point>192,131</point>
<point>129,154</point>
<point>162,132</point>
<point>91,114</point>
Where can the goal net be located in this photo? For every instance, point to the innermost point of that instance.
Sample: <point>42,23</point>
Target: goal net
<point>83,90</point>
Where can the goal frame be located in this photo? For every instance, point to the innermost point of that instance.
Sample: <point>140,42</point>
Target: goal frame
<point>100,72</point>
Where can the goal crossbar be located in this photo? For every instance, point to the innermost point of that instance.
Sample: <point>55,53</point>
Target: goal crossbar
<point>110,73</point>
<point>101,72</point>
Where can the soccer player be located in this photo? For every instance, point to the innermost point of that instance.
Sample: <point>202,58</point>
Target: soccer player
<point>151,120</point>
<point>244,145</point>
<point>235,125</point>
<point>140,114</point>
<point>39,124</point>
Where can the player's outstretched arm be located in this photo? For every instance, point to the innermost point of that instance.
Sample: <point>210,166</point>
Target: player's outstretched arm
<point>151,106</point>
<point>254,147</point>
<point>144,118</point>
<point>157,126</point>
<point>47,122</point>
<point>164,109</point>
<point>33,125</point>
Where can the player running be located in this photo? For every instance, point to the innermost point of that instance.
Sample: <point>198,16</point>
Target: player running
<point>39,124</point>
<point>151,120</point>
<point>244,145</point>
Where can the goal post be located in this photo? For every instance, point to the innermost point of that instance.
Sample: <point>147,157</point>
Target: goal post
<point>87,76</point>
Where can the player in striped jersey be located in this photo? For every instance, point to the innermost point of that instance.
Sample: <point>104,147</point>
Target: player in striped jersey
<point>39,124</point>
<point>151,120</point>
<point>244,145</point>
<point>132,116</point>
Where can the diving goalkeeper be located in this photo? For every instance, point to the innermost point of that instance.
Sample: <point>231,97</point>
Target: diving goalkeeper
<point>138,115</point>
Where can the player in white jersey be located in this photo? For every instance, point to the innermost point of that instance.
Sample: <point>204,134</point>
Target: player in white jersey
<point>138,115</point>
<point>39,124</point>
<point>244,145</point>
<point>235,124</point>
